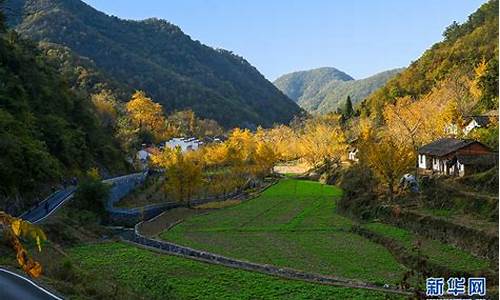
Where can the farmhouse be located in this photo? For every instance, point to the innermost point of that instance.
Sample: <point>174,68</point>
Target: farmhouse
<point>353,154</point>
<point>474,122</point>
<point>144,154</point>
<point>455,157</point>
<point>470,123</point>
<point>352,150</point>
<point>185,144</point>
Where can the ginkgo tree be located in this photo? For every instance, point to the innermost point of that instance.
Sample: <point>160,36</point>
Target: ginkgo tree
<point>388,158</point>
<point>183,172</point>
<point>146,115</point>
<point>322,142</point>
<point>14,229</point>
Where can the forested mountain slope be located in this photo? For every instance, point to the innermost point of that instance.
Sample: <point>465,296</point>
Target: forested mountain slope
<point>47,131</point>
<point>467,55</point>
<point>157,57</point>
<point>303,85</point>
<point>325,89</point>
<point>332,97</point>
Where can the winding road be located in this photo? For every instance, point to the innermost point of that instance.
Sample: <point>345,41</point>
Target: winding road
<point>18,287</point>
<point>48,206</point>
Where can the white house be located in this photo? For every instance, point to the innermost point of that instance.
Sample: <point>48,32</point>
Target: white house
<point>455,157</point>
<point>145,153</point>
<point>143,156</point>
<point>185,144</point>
<point>353,154</point>
<point>476,122</point>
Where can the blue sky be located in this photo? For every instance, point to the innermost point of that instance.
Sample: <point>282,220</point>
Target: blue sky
<point>359,37</point>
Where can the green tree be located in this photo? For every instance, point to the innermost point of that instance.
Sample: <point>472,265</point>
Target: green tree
<point>348,109</point>
<point>92,194</point>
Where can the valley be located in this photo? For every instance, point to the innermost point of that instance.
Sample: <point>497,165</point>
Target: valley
<point>137,162</point>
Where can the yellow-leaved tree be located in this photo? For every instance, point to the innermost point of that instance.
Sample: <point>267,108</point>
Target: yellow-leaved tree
<point>322,142</point>
<point>105,104</point>
<point>284,141</point>
<point>146,114</point>
<point>183,172</point>
<point>14,229</point>
<point>388,158</point>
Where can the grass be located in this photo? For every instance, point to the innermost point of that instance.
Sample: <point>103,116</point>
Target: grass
<point>218,204</point>
<point>436,251</point>
<point>157,276</point>
<point>291,224</point>
<point>464,216</point>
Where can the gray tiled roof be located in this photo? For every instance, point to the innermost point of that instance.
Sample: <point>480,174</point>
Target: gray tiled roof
<point>444,146</point>
<point>482,121</point>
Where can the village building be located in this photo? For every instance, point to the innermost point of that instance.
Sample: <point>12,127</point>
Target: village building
<point>455,157</point>
<point>353,154</point>
<point>470,123</point>
<point>184,143</point>
<point>474,122</point>
<point>144,155</point>
<point>352,150</point>
<point>451,129</point>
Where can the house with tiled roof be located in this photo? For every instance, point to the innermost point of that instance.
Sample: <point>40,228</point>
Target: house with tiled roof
<point>474,122</point>
<point>455,157</point>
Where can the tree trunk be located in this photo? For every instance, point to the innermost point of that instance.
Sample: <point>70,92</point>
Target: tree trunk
<point>390,186</point>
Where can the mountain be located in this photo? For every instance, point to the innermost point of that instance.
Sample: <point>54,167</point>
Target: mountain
<point>47,130</point>
<point>467,55</point>
<point>156,56</point>
<point>334,96</point>
<point>305,84</point>
<point>323,90</point>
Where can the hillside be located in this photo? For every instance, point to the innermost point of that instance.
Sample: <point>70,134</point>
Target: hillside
<point>306,84</point>
<point>323,90</point>
<point>157,57</point>
<point>457,58</point>
<point>47,131</point>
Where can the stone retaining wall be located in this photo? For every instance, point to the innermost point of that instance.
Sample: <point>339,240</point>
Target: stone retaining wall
<point>124,185</point>
<point>133,236</point>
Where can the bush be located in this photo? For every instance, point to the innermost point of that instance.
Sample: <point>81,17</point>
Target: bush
<point>482,182</point>
<point>359,198</point>
<point>91,195</point>
<point>435,193</point>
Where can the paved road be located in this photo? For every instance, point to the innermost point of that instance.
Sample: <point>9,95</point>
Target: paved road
<point>48,206</point>
<point>17,287</point>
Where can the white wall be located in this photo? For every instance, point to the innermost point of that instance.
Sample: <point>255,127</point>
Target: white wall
<point>142,155</point>
<point>183,144</point>
<point>353,155</point>
<point>473,124</point>
<point>422,162</point>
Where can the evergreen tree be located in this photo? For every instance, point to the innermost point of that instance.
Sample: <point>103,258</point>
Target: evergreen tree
<point>348,110</point>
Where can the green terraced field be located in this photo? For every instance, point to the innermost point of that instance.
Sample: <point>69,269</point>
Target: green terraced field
<point>158,276</point>
<point>291,224</point>
<point>438,252</point>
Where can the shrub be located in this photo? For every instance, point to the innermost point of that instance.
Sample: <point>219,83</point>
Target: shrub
<point>435,193</point>
<point>359,198</point>
<point>91,195</point>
